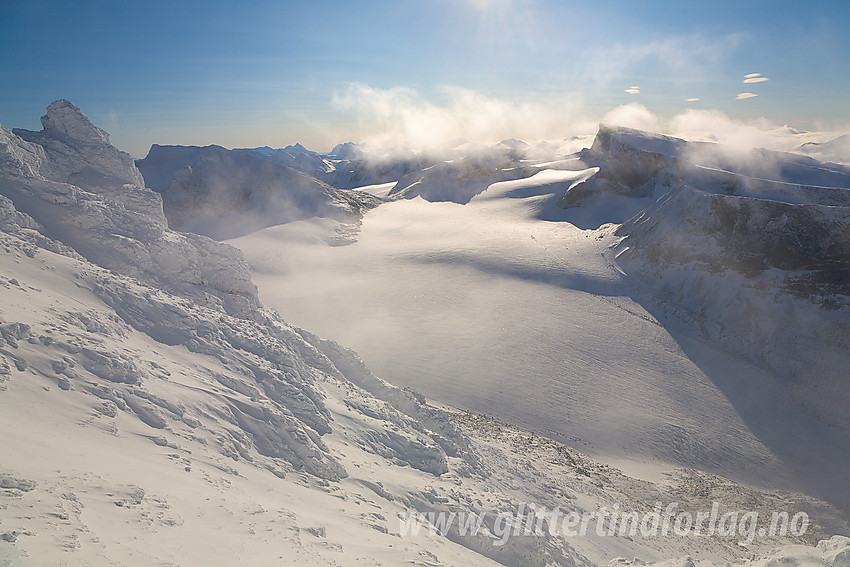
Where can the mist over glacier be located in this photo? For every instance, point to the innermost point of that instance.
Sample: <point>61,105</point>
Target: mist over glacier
<point>479,283</point>
<point>521,289</point>
<point>591,334</point>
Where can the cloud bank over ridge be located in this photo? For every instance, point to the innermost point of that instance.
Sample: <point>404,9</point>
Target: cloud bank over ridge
<point>401,117</point>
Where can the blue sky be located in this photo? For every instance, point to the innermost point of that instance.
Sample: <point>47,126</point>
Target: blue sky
<point>321,72</point>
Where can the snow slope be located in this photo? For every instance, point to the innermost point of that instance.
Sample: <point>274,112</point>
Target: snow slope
<point>225,193</point>
<point>483,306</point>
<point>836,150</point>
<point>153,412</point>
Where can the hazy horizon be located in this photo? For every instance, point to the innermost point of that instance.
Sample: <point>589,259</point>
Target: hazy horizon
<point>325,73</point>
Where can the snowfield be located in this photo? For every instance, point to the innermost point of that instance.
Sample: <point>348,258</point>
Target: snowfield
<point>473,304</point>
<point>154,411</point>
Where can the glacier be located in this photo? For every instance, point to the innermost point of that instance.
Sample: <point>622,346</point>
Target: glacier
<point>156,409</point>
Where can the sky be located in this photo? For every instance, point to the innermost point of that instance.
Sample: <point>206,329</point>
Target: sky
<point>323,72</point>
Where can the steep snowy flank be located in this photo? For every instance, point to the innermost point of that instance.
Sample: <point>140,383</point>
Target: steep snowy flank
<point>175,289</point>
<point>227,193</point>
<point>837,150</point>
<point>754,247</point>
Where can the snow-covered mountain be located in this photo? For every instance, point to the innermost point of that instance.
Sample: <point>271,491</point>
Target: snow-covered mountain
<point>836,150</point>
<point>619,337</point>
<point>459,180</point>
<point>297,157</point>
<point>753,247</point>
<point>455,173</point>
<point>154,412</point>
<point>349,165</point>
<point>226,193</point>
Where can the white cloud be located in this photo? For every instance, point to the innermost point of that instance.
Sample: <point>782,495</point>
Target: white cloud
<point>745,95</point>
<point>633,115</point>
<point>402,117</point>
<point>756,80</point>
<point>715,126</point>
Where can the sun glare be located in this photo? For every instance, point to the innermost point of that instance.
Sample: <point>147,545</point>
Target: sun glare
<point>484,5</point>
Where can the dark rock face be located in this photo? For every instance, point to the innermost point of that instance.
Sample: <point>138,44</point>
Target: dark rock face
<point>757,235</point>
<point>629,164</point>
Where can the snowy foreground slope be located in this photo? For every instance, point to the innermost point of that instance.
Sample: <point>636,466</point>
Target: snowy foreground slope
<point>153,412</point>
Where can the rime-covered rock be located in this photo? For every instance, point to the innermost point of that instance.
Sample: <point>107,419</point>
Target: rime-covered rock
<point>66,190</point>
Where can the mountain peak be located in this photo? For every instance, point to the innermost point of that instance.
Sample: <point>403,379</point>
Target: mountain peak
<point>64,120</point>
<point>613,138</point>
<point>297,149</point>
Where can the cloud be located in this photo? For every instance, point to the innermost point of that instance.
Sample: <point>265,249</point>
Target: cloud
<point>751,75</point>
<point>633,90</point>
<point>691,99</point>
<point>745,95</point>
<point>403,117</point>
<point>715,126</point>
<point>756,80</point>
<point>633,115</point>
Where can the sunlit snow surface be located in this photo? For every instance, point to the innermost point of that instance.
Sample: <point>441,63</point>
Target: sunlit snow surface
<point>152,412</point>
<point>484,306</point>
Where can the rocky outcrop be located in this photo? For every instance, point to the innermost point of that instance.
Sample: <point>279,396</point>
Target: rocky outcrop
<point>750,246</point>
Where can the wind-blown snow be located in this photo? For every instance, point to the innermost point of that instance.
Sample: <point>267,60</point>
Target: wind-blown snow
<point>836,150</point>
